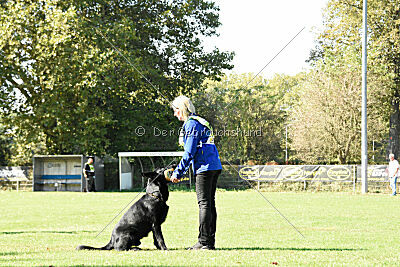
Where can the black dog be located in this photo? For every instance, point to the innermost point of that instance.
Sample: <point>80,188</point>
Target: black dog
<point>145,215</point>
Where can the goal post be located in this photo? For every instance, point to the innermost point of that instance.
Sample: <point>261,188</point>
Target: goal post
<point>126,169</point>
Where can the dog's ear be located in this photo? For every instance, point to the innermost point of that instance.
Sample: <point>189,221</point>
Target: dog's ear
<point>149,174</point>
<point>159,171</point>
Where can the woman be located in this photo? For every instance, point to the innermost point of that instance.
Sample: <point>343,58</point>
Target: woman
<point>199,149</point>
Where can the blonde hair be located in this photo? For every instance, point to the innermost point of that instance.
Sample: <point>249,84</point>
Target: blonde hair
<point>184,104</point>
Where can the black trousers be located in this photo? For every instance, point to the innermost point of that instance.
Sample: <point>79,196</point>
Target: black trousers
<point>206,185</point>
<point>90,184</point>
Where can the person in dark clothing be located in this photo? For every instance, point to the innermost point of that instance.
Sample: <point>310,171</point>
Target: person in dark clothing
<point>199,149</point>
<point>89,174</point>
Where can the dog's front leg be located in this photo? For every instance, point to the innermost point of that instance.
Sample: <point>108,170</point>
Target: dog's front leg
<point>155,242</point>
<point>158,237</point>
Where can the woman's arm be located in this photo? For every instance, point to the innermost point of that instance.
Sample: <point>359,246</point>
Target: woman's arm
<point>192,134</point>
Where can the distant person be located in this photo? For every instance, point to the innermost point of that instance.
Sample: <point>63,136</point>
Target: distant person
<point>198,141</point>
<point>89,174</point>
<point>393,171</point>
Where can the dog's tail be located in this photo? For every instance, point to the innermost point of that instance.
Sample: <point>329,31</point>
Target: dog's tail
<point>106,247</point>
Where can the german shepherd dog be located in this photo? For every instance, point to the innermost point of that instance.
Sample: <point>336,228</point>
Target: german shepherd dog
<point>145,215</point>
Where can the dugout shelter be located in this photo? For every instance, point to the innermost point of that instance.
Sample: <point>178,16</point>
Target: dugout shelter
<point>128,175</point>
<point>64,173</point>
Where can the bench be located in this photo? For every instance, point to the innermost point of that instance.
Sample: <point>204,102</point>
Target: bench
<point>58,180</point>
<point>60,177</point>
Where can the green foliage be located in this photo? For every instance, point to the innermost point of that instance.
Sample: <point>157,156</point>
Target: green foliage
<point>247,116</point>
<point>326,124</point>
<point>62,83</point>
<point>5,146</point>
<point>342,31</point>
<point>328,115</point>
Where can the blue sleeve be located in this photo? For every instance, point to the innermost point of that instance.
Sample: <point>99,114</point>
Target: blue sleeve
<point>192,139</point>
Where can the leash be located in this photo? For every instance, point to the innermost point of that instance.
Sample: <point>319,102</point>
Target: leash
<point>129,62</point>
<point>264,197</point>
<point>269,62</point>
<point>130,202</point>
<point>152,85</point>
<point>269,202</point>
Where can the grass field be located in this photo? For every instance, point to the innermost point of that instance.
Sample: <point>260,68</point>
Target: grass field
<point>340,229</point>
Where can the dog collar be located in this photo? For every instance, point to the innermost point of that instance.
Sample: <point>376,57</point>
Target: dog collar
<point>154,196</point>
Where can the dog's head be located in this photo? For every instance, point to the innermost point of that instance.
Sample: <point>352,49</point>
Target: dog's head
<point>157,183</point>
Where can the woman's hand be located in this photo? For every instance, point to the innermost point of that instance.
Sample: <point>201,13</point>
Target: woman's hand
<point>170,177</point>
<point>174,179</point>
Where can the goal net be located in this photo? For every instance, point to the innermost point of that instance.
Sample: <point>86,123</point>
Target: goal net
<point>132,164</point>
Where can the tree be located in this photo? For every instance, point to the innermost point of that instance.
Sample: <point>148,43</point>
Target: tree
<point>5,145</point>
<point>247,116</point>
<point>327,118</point>
<point>62,83</point>
<point>342,29</point>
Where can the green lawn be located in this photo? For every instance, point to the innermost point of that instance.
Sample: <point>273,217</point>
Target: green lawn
<point>340,229</point>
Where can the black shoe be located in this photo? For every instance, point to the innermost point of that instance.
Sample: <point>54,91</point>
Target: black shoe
<point>199,246</point>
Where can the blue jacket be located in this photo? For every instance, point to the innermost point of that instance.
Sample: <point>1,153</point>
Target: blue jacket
<point>204,157</point>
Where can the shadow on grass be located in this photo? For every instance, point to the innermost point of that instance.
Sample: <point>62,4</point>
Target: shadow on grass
<point>13,261</point>
<point>45,232</point>
<point>294,249</point>
<point>262,248</point>
<point>181,188</point>
<point>11,253</point>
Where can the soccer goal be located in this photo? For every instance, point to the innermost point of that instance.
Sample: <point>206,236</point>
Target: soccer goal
<point>132,164</point>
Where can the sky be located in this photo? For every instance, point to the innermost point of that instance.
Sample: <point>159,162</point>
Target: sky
<point>256,30</point>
